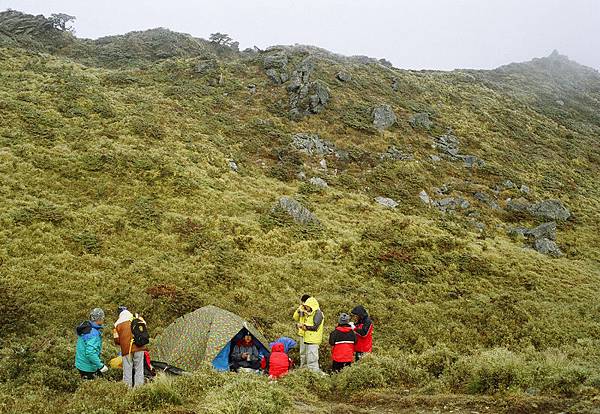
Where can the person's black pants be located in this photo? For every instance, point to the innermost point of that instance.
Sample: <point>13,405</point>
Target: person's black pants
<point>338,366</point>
<point>89,375</point>
<point>235,365</point>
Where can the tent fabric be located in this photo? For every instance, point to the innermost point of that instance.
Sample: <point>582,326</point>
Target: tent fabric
<point>198,337</point>
<point>221,361</point>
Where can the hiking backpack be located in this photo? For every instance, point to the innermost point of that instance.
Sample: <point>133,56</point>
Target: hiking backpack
<point>139,331</point>
<point>83,328</point>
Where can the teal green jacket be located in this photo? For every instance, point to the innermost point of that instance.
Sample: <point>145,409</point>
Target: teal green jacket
<point>89,348</point>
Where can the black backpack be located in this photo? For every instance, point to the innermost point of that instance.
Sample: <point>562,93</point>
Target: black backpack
<point>139,331</point>
<point>83,328</point>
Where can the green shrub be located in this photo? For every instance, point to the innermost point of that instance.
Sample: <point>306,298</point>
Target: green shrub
<point>491,371</point>
<point>377,371</point>
<point>437,360</point>
<point>157,394</point>
<point>248,394</point>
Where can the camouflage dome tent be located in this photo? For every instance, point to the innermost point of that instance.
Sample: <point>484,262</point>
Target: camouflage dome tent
<point>204,335</point>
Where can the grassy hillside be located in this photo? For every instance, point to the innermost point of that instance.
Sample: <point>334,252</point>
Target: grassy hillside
<point>116,188</point>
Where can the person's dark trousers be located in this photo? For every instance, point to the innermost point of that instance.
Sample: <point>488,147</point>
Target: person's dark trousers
<point>89,375</point>
<point>235,365</point>
<point>338,366</point>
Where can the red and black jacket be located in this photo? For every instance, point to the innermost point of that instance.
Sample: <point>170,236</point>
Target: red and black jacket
<point>364,330</point>
<point>342,341</point>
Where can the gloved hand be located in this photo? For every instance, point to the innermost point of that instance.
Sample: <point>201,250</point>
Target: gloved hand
<point>103,369</point>
<point>352,325</point>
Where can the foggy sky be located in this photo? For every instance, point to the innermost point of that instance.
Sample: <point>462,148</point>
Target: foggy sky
<point>415,34</point>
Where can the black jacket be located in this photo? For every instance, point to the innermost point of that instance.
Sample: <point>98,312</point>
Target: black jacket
<point>363,318</point>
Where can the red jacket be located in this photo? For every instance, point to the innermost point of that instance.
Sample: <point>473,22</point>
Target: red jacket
<point>364,343</point>
<point>342,341</point>
<point>278,362</point>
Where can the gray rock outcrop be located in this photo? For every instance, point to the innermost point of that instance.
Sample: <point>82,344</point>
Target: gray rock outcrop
<point>275,66</point>
<point>447,144</point>
<point>395,154</point>
<point>305,96</point>
<point>421,121</point>
<point>386,202</point>
<point>318,182</point>
<point>547,246</point>
<point>312,144</point>
<point>383,117</point>
<point>550,210</point>
<point>294,209</point>
<point>343,76</point>
<point>451,203</point>
<point>544,231</point>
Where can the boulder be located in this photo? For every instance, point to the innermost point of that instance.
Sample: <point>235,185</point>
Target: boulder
<point>276,77</point>
<point>550,210</point>
<point>518,205</point>
<point>383,117</point>
<point>484,198</point>
<point>395,154</point>
<point>544,231</point>
<point>434,158</point>
<point>421,121</point>
<point>547,246</point>
<point>386,202</point>
<point>318,182</point>
<point>472,161</point>
<point>294,209</point>
<point>306,97</point>
<point>233,166</point>
<point>425,197</point>
<point>451,203</point>
<point>343,76</point>
<point>395,85</point>
<point>448,144</point>
<point>275,66</point>
<point>524,189</point>
<point>312,144</point>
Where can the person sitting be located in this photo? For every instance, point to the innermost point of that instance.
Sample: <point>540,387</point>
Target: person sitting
<point>245,354</point>
<point>277,364</point>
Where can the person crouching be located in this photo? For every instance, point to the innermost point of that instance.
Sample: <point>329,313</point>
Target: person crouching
<point>342,341</point>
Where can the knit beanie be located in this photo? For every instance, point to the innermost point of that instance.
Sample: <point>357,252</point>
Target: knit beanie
<point>96,315</point>
<point>344,319</point>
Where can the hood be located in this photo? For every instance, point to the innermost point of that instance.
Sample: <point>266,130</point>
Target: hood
<point>123,317</point>
<point>313,303</point>
<point>360,311</point>
<point>278,347</point>
<point>344,328</point>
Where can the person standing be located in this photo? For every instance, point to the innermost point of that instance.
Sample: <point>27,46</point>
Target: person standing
<point>311,326</point>
<point>364,332</point>
<point>133,355</point>
<point>342,341</point>
<point>89,346</point>
<point>300,318</point>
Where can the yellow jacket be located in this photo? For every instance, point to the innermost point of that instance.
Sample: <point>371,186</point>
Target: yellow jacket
<point>314,321</point>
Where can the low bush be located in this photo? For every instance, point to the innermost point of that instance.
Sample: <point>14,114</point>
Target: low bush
<point>248,394</point>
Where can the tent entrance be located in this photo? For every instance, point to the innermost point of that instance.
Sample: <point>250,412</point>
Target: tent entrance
<point>223,358</point>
